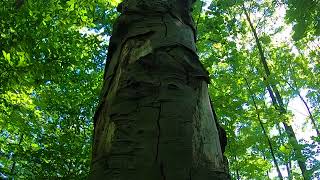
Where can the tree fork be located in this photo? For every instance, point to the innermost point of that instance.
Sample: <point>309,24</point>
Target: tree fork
<point>155,121</point>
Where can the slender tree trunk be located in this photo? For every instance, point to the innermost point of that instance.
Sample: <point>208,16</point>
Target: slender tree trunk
<point>289,171</point>
<point>313,121</point>
<point>154,121</point>
<point>264,131</point>
<point>278,102</point>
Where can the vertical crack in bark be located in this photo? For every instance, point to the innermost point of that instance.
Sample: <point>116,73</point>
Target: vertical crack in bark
<point>190,176</point>
<point>165,25</point>
<point>158,125</point>
<point>159,133</point>
<point>162,172</point>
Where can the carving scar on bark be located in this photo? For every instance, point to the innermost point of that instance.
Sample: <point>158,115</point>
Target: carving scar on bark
<point>144,48</point>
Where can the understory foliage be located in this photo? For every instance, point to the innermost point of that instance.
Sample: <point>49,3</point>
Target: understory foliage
<point>52,56</point>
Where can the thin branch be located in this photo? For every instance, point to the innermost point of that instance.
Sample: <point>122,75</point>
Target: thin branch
<point>264,130</point>
<point>307,107</point>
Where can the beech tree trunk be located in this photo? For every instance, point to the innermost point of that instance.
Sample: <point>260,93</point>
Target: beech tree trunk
<point>155,121</point>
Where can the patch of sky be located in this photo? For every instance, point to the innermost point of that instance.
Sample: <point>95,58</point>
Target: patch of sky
<point>100,33</point>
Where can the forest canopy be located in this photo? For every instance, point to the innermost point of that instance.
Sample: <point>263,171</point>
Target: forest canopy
<point>263,58</point>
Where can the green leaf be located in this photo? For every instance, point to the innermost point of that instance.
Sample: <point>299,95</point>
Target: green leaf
<point>7,57</point>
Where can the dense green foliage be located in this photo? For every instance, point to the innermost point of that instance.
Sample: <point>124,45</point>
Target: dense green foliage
<point>52,57</point>
<point>305,16</point>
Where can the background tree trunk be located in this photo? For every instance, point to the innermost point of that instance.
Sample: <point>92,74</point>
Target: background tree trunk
<point>155,120</point>
<point>276,164</point>
<point>278,102</point>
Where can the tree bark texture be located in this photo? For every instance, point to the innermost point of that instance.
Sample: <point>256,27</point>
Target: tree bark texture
<point>155,121</point>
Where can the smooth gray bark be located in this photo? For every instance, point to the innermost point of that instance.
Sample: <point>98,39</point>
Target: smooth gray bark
<point>155,120</point>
